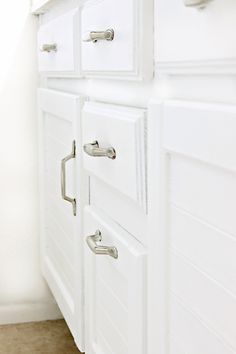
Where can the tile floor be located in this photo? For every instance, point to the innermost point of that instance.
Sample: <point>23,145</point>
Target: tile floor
<point>50,337</point>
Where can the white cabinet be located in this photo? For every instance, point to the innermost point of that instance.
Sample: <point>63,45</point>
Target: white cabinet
<point>58,45</point>
<point>196,227</point>
<point>115,291</point>
<point>130,53</point>
<point>119,131</point>
<point>196,41</point>
<point>61,244</point>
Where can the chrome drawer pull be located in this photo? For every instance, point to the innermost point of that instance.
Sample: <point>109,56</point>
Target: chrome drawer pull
<point>49,48</point>
<point>95,36</point>
<point>93,149</point>
<point>63,178</point>
<point>100,250</point>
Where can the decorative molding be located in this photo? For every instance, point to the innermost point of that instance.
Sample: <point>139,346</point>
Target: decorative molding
<point>39,7</point>
<point>142,69</point>
<point>212,67</point>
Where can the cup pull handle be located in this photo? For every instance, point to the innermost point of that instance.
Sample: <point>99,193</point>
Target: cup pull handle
<point>92,242</point>
<point>63,178</point>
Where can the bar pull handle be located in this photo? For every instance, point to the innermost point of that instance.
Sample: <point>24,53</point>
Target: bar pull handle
<point>92,242</point>
<point>95,36</point>
<point>49,48</point>
<point>93,149</point>
<point>63,178</point>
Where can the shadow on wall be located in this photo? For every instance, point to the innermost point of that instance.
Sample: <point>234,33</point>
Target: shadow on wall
<point>20,279</point>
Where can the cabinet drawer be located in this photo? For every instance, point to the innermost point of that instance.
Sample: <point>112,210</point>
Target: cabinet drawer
<point>129,53</point>
<point>58,45</point>
<point>120,129</point>
<point>115,290</point>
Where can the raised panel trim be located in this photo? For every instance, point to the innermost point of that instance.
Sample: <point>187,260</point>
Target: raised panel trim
<point>143,47</point>
<point>39,7</point>
<point>138,118</point>
<point>63,105</point>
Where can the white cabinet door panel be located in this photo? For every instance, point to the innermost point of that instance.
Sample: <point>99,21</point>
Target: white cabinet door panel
<point>61,245</point>
<point>122,128</point>
<point>195,225</point>
<point>115,291</point>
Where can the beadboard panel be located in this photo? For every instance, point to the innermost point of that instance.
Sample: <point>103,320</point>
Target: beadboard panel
<point>197,232</point>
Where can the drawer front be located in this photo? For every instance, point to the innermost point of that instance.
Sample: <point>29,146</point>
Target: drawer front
<point>195,42</point>
<point>128,53</point>
<point>115,290</point>
<point>122,129</point>
<point>58,44</point>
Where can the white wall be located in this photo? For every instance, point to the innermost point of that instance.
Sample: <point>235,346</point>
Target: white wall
<point>23,293</point>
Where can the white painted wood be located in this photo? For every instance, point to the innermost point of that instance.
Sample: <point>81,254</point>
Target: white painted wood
<point>122,128</point>
<point>41,6</point>
<point>157,230</point>
<point>115,291</point>
<point>61,244</point>
<point>64,32</point>
<point>208,133</point>
<point>198,338</point>
<point>196,186</point>
<point>118,207</point>
<point>132,24</point>
<point>192,41</point>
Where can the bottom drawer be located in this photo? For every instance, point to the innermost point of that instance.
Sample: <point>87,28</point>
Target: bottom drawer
<point>115,289</point>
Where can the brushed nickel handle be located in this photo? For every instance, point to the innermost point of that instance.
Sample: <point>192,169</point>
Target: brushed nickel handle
<point>100,250</point>
<point>63,178</point>
<point>93,149</point>
<point>196,3</point>
<point>95,36</point>
<point>49,48</point>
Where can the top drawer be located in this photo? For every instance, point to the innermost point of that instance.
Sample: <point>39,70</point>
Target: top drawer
<point>58,45</point>
<point>196,41</point>
<point>129,54</point>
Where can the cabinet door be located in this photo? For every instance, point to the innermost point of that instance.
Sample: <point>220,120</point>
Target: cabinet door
<point>61,199</point>
<point>193,229</point>
<point>115,291</point>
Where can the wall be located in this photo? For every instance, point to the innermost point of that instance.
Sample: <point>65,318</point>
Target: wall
<point>24,295</point>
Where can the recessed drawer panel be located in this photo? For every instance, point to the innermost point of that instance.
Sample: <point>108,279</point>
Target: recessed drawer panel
<point>111,40</point>
<point>114,147</point>
<point>58,44</point>
<point>115,295</point>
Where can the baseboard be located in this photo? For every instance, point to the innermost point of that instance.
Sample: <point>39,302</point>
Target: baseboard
<point>31,312</point>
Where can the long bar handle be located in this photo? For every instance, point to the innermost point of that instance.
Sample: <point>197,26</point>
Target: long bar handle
<point>93,149</point>
<point>100,250</point>
<point>63,177</point>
